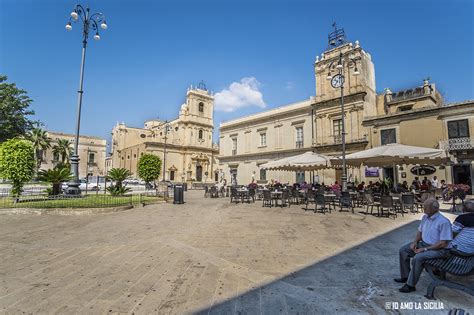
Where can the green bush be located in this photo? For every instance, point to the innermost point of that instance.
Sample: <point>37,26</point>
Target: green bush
<point>118,175</point>
<point>17,163</point>
<point>149,167</point>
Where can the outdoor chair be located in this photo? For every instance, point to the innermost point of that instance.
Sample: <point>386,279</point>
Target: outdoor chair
<point>234,195</point>
<point>285,198</point>
<point>206,191</point>
<point>309,198</point>
<point>386,202</point>
<point>370,202</point>
<point>267,198</point>
<point>245,195</point>
<point>222,192</point>
<point>295,196</point>
<point>408,202</point>
<point>345,201</point>
<point>320,200</point>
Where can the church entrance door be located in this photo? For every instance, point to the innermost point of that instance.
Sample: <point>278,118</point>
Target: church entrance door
<point>199,173</point>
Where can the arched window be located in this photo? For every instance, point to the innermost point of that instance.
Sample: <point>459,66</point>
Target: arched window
<point>200,134</point>
<point>201,107</point>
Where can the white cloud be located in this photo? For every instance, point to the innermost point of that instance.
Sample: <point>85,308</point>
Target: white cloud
<point>290,85</point>
<point>239,94</point>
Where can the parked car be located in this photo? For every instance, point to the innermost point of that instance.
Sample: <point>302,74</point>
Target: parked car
<point>83,185</point>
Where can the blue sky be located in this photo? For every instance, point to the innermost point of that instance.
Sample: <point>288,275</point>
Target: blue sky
<point>153,50</point>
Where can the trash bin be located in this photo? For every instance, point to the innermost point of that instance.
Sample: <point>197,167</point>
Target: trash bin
<point>178,193</point>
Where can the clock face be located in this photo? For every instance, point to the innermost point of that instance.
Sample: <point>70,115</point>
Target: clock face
<point>337,81</point>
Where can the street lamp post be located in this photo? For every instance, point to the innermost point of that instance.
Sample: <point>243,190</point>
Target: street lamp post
<point>167,128</point>
<point>88,22</point>
<point>337,81</point>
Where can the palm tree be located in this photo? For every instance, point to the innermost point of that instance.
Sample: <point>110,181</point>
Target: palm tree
<point>56,176</point>
<point>63,149</point>
<point>118,175</point>
<point>41,142</point>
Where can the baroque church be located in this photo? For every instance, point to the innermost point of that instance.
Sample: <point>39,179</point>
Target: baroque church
<point>184,145</point>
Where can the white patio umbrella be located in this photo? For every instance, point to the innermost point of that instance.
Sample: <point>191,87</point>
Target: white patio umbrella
<point>308,161</point>
<point>395,153</point>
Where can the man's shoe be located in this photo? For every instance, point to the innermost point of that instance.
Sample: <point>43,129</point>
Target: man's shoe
<point>400,280</point>
<point>407,289</point>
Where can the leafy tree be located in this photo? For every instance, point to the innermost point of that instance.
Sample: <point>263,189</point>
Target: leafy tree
<point>149,167</point>
<point>41,142</point>
<point>55,176</point>
<point>17,163</point>
<point>14,111</point>
<point>118,175</point>
<point>64,150</point>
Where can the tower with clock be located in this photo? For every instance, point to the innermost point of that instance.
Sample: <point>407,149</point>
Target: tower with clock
<point>329,78</point>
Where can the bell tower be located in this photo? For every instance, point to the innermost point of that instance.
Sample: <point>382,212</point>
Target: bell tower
<point>199,106</point>
<point>357,69</point>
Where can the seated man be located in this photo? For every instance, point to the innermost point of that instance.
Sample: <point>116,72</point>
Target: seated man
<point>463,228</point>
<point>431,241</point>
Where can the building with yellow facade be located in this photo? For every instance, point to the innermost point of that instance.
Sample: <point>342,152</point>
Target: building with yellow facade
<point>417,116</point>
<point>187,140</point>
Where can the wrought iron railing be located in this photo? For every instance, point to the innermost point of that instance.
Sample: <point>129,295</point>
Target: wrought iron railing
<point>466,143</point>
<point>337,140</point>
<point>299,144</point>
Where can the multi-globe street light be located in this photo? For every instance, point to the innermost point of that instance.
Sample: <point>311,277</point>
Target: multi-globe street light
<point>89,22</point>
<point>337,81</point>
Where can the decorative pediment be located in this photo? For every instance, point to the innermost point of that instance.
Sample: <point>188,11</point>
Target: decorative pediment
<point>199,157</point>
<point>173,168</point>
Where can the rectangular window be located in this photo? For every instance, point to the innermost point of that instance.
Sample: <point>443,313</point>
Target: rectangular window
<point>299,137</point>
<point>263,139</point>
<point>55,157</point>
<point>234,146</point>
<point>91,157</point>
<point>300,176</point>
<point>458,129</point>
<point>263,174</point>
<point>337,127</point>
<point>337,130</point>
<point>388,136</point>
<point>171,175</point>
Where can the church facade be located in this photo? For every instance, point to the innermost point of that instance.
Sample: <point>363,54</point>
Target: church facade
<point>184,145</point>
<point>417,116</point>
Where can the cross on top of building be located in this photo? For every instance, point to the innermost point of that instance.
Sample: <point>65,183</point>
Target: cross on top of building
<point>337,37</point>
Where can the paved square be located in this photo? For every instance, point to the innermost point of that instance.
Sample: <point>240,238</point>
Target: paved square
<point>207,256</point>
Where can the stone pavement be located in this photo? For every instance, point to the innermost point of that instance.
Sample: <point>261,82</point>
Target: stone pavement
<point>207,256</point>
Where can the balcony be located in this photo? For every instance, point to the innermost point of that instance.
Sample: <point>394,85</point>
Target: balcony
<point>336,140</point>
<point>299,144</point>
<point>457,144</point>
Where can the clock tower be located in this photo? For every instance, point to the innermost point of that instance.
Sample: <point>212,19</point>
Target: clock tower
<point>360,82</point>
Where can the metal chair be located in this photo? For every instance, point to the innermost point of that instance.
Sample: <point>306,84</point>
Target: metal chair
<point>285,198</point>
<point>321,201</point>
<point>386,202</point>
<point>309,198</point>
<point>370,202</point>
<point>408,202</point>
<point>206,191</point>
<point>267,199</point>
<point>345,201</point>
<point>234,195</point>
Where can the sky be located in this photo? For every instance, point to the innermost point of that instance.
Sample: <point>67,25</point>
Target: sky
<point>254,55</point>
